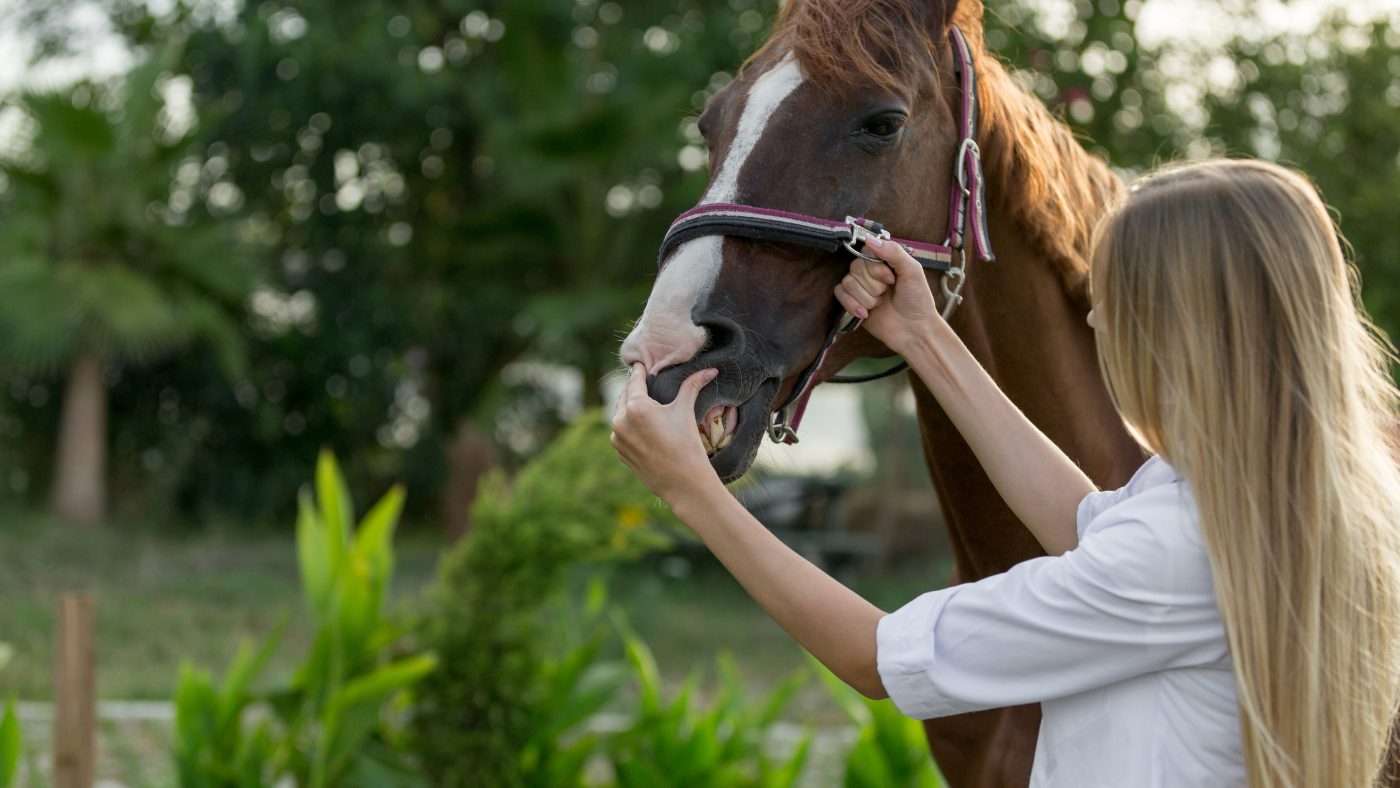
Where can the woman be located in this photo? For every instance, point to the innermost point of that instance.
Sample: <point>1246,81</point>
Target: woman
<point>1227,617</point>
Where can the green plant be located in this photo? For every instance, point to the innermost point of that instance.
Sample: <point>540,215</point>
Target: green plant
<point>480,714</point>
<point>213,746</point>
<point>334,724</point>
<point>678,744</point>
<point>11,742</point>
<point>576,687</point>
<point>891,750</point>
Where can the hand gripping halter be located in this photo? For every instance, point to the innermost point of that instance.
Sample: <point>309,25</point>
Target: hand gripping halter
<point>967,220</point>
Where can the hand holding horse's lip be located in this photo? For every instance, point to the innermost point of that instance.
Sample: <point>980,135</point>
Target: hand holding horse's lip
<point>717,428</point>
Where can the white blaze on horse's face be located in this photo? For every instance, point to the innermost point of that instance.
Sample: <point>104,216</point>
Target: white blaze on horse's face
<point>667,335</point>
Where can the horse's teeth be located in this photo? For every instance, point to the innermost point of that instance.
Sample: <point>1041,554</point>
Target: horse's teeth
<point>724,441</point>
<point>706,442</point>
<point>716,431</point>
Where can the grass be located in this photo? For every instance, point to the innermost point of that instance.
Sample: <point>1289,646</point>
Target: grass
<point>161,597</point>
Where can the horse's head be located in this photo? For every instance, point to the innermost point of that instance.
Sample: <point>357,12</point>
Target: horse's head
<point>850,109</point>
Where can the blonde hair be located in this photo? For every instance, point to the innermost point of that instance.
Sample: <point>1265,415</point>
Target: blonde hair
<point>1231,339</point>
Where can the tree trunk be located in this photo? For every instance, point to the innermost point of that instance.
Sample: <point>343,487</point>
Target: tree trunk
<point>80,465</point>
<point>469,456</point>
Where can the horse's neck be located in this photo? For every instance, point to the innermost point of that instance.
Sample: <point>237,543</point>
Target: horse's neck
<point>1022,326</point>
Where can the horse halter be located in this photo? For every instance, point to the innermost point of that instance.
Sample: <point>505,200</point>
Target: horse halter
<point>967,220</point>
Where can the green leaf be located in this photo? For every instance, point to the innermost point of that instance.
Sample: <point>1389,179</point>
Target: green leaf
<point>318,565</point>
<point>334,503</point>
<point>243,671</point>
<point>648,676</point>
<point>374,543</point>
<point>379,683</point>
<point>11,743</point>
<point>353,712</point>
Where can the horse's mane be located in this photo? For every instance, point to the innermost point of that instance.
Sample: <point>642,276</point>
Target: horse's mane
<point>1036,171</point>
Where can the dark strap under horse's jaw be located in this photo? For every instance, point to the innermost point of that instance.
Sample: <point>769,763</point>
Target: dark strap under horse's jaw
<point>967,206</point>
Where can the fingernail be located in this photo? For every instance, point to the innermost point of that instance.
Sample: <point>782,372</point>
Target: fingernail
<point>880,301</point>
<point>875,242</point>
<point>709,374</point>
<point>887,279</point>
<point>861,313</point>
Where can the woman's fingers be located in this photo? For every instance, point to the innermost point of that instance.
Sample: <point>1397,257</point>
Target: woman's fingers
<point>876,278</point>
<point>850,304</point>
<point>899,260</point>
<point>856,290</point>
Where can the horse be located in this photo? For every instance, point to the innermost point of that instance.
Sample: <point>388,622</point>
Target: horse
<point>851,109</point>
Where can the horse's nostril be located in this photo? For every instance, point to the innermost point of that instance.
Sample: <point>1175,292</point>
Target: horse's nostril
<point>717,336</point>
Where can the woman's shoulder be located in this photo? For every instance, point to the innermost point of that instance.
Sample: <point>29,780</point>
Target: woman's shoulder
<point>1146,534</point>
<point>1153,491</point>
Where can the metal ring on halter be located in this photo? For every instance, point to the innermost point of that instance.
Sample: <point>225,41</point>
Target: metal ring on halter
<point>953,297</point>
<point>779,430</point>
<point>861,255</point>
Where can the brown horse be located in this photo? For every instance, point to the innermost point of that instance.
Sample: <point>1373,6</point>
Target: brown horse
<point>851,109</point>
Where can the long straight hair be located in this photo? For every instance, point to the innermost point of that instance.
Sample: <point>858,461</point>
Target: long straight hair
<point>1233,343</point>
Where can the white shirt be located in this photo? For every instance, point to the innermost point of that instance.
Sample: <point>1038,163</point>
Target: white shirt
<point>1119,639</point>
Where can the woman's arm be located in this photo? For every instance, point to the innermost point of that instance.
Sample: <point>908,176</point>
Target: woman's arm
<point>660,443</point>
<point>1040,484</point>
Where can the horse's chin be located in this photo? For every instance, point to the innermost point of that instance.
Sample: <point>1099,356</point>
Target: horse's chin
<point>736,458</point>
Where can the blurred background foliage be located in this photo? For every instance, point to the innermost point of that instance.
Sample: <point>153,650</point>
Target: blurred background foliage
<point>440,216</point>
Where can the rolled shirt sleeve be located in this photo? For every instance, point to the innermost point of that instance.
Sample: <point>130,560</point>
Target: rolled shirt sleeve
<point>1126,601</point>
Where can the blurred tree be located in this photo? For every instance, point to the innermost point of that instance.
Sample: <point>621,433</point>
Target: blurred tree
<point>103,262</point>
<point>1328,104</point>
<point>442,189</point>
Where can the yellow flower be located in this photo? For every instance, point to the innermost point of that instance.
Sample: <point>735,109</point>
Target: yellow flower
<point>629,517</point>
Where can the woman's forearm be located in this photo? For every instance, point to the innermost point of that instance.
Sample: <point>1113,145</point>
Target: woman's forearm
<point>832,622</point>
<point>1037,480</point>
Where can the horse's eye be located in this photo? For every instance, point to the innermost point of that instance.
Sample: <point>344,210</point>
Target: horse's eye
<point>884,126</point>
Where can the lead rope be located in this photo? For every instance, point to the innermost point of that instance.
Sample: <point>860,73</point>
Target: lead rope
<point>968,198</point>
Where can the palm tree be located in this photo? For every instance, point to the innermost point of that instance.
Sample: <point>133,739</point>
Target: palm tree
<point>103,259</point>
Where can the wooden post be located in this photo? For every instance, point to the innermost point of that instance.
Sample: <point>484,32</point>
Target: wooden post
<point>75,694</point>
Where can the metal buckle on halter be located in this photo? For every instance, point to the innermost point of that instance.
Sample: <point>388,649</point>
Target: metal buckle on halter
<point>961,163</point>
<point>779,430</point>
<point>859,233</point>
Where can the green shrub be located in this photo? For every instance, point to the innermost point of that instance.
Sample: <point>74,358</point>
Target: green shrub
<point>479,715</point>
<point>678,744</point>
<point>333,724</point>
<point>891,750</point>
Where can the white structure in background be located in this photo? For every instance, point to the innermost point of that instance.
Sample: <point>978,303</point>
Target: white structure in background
<point>833,437</point>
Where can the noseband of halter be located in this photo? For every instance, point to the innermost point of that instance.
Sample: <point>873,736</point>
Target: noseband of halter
<point>967,221</point>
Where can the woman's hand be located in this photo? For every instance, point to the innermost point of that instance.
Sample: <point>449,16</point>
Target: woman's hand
<point>907,312</point>
<point>661,443</point>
